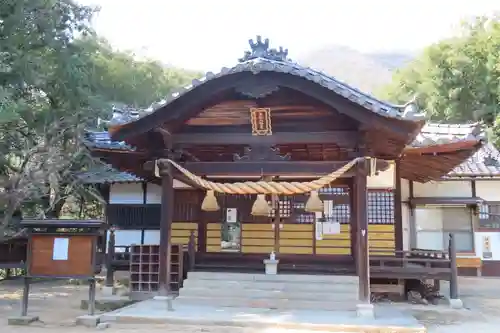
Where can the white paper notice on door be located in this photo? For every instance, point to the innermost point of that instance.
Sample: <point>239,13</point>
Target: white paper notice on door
<point>319,231</point>
<point>61,249</point>
<point>331,228</point>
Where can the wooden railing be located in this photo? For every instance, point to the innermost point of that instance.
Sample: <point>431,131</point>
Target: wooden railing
<point>415,264</point>
<point>419,264</point>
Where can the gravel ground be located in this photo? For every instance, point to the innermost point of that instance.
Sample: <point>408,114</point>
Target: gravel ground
<point>58,304</point>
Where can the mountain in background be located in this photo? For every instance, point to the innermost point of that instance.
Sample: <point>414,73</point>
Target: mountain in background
<point>368,72</point>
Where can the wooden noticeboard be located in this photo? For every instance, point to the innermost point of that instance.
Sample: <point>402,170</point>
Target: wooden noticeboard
<point>61,255</point>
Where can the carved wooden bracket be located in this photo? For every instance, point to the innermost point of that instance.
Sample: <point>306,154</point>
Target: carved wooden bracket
<point>261,153</point>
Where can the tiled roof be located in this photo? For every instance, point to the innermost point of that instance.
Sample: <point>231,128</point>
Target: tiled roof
<point>102,140</point>
<point>484,163</point>
<point>433,133</point>
<point>263,59</point>
<point>106,174</point>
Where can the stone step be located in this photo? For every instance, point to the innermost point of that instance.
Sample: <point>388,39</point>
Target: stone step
<point>254,293</point>
<point>315,287</point>
<point>341,279</point>
<point>266,303</point>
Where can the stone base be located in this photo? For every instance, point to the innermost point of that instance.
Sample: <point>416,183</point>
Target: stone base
<point>106,304</point>
<point>271,266</point>
<point>88,321</point>
<point>166,299</point>
<point>456,303</point>
<point>365,311</point>
<point>107,291</point>
<point>22,320</point>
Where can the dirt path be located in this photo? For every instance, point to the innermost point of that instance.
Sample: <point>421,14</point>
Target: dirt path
<point>59,304</point>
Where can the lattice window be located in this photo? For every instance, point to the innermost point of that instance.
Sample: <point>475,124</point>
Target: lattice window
<point>303,216</point>
<point>489,216</point>
<point>380,207</point>
<point>335,211</point>
<point>284,206</point>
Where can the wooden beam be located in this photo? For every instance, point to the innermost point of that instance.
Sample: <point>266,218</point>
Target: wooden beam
<point>345,139</point>
<point>264,168</point>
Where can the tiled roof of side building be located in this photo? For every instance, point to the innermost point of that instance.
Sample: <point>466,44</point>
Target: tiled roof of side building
<point>484,163</point>
<point>106,174</point>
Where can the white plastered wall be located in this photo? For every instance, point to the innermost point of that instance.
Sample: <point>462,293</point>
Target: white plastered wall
<point>488,190</point>
<point>133,193</point>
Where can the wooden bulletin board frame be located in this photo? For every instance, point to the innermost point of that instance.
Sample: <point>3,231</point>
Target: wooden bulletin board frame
<point>62,249</point>
<point>44,239</point>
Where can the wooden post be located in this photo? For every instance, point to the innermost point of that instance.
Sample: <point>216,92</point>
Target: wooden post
<point>167,207</point>
<point>454,270</point>
<point>362,255</point>
<point>110,279</point>
<point>25,300</point>
<point>191,251</point>
<point>398,209</point>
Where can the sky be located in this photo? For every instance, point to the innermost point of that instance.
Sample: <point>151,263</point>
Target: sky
<point>210,34</point>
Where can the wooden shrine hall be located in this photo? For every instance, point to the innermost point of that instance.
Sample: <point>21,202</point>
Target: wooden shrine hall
<point>268,152</point>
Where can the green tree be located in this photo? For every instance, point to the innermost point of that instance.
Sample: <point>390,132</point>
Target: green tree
<point>56,78</point>
<point>457,79</point>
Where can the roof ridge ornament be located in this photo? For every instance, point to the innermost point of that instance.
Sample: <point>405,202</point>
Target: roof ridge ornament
<point>411,109</point>
<point>260,49</point>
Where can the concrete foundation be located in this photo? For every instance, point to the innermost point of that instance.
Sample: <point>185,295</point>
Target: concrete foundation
<point>22,320</point>
<point>365,310</point>
<point>456,303</point>
<point>107,291</point>
<point>167,300</point>
<point>107,303</point>
<point>88,321</point>
<point>155,311</point>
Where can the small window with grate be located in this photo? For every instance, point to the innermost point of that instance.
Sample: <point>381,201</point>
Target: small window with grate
<point>489,216</point>
<point>380,207</point>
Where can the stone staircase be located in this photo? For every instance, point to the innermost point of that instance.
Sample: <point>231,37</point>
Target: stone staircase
<point>282,291</point>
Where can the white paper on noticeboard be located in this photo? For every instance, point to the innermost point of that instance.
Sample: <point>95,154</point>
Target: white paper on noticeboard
<point>61,249</point>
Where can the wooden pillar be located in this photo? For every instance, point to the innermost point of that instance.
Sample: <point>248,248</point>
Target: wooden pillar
<point>452,252</point>
<point>353,218</point>
<point>167,208</point>
<point>362,255</point>
<point>110,280</point>
<point>398,209</point>
<point>413,218</point>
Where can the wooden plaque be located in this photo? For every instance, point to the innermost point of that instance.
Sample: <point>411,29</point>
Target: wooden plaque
<point>61,255</point>
<point>261,121</point>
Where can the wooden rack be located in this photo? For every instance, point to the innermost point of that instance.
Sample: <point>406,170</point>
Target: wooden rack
<point>145,267</point>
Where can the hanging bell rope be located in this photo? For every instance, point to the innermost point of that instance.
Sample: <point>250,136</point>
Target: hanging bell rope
<point>264,187</point>
<point>261,207</point>
<point>314,203</point>
<point>210,203</point>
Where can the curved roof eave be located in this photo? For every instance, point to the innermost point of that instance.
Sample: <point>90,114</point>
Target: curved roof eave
<point>257,65</point>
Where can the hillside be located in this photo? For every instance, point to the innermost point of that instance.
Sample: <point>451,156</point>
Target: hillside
<point>367,72</point>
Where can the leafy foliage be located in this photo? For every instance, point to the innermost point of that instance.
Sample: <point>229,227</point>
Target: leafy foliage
<point>458,79</point>
<point>56,78</point>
